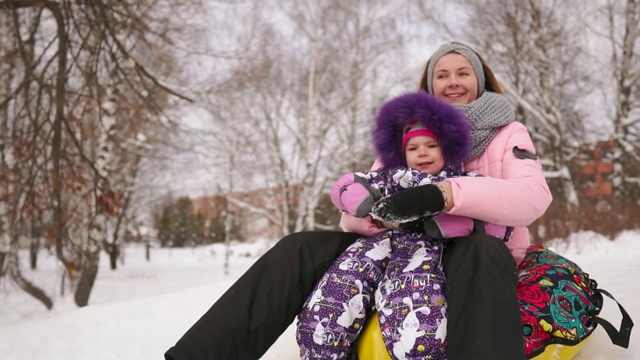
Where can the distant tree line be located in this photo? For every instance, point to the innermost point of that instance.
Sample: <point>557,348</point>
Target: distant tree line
<point>180,222</point>
<point>179,225</point>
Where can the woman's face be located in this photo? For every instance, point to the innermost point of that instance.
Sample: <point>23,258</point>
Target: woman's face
<point>454,80</point>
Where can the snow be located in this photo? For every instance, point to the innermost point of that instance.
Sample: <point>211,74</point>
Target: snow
<point>143,308</point>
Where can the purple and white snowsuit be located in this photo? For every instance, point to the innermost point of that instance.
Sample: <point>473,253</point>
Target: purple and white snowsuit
<point>399,270</point>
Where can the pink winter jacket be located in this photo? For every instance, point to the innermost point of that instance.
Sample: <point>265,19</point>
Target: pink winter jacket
<point>512,192</point>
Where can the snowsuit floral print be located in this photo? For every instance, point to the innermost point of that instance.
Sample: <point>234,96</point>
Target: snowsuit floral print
<point>397,271</point>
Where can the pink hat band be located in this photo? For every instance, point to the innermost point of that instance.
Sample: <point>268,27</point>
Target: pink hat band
<point>416,129</point>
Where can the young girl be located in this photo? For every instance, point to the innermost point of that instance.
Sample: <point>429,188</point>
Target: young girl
<point>421,140</point>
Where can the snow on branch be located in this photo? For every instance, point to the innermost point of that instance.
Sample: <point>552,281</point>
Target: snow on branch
<point>540,117</point>
<point>258,210</point>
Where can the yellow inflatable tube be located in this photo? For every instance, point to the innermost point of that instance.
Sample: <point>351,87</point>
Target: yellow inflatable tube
<point>370,346</point>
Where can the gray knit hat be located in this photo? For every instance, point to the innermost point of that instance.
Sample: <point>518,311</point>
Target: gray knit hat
<point>463,50</point>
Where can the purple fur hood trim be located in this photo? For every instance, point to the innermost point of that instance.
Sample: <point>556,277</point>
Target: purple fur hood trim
<point>448,123</point>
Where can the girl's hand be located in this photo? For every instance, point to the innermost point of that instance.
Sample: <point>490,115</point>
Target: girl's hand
<point>387,224</point>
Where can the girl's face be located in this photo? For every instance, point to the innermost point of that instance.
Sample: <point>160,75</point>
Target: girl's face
<point>454,80</point>
<point>424,153</point>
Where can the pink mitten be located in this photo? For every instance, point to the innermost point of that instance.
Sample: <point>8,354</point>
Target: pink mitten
<point>352,194</point>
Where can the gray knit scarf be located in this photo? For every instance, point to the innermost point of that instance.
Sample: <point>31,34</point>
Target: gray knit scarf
<point>486,115</point>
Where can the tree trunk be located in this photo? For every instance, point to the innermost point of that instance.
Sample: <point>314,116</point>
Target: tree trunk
<point>14,271</point>
<point>113,257</point>
<point>34,247</point>
<point>3,256</point>
<point>227,239</point>
<point>114,251</point>
<point>87,278</point>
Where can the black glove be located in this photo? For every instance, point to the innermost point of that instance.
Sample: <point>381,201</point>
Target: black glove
<point>426,225</point>
<point>415,226</point>
<point>410,204</point>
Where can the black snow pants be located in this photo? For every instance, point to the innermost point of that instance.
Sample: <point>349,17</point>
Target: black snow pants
<point>483,320</point>
<point>265,300</point>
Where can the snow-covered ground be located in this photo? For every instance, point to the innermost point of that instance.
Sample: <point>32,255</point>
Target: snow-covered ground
<point>140,310</point>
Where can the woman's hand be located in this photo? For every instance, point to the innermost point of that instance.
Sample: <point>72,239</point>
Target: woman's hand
<point>386,224</point>
<point>447,193</point>
<point>390,225</point>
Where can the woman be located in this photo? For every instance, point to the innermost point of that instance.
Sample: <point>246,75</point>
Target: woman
<point>483,316</point>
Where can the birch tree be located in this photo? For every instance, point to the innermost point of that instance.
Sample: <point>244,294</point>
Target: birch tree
<point>342,45</point>
<point>307,88</point>
<point>621,32</point>
<point>78,138</point>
